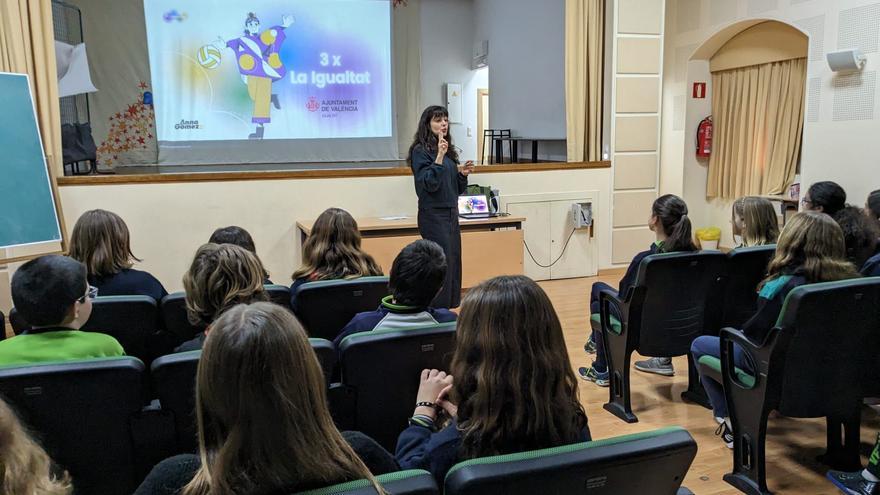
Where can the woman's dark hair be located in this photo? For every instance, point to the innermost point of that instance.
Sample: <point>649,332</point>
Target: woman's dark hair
<point>513,379</point>
<point>427,139</point>
<point>859,234</point>
<point>671,211</point>
<point>417,273</point>
<point>827,195</point>
<point>237,236</point>
<point>873,206</point>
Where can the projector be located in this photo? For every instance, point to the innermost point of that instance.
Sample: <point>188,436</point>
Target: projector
<point>846,60</point>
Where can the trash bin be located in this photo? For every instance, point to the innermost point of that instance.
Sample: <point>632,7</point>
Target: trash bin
<point>708,238</point>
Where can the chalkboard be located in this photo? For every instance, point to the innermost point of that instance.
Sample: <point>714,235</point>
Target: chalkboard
<point>28,213</point>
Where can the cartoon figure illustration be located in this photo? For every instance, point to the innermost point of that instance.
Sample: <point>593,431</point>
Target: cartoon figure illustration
<point>259,63</point>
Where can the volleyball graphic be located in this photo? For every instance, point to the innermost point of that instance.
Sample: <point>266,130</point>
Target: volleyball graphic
<point>209,57</point>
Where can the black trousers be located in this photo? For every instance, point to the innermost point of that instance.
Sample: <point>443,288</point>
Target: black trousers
<point>441,226</point>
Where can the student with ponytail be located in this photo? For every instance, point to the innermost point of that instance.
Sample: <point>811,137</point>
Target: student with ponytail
<point>672,228</point>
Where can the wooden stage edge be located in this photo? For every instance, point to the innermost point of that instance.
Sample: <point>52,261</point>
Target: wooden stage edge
<point>95,180</point>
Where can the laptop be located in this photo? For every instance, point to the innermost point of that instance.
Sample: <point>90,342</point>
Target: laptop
<point>474,206</point>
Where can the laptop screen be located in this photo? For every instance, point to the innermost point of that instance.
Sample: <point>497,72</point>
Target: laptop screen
<point>472,204</point>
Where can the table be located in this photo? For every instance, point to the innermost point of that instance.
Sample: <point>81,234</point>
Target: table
<point>489,246</point>
<point>514,146</point>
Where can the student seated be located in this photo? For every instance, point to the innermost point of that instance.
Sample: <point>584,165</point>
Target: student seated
<point>241,238</point>
<point>864,482</point>
<point>221,276</point>
<point>333,251</point>
<point>100,240</point>
<point>262,416</point>
<point>872,207</point>
<point>859,234</point>
<point>514,389</point>
<point>672,230</point>
<point>27,469</point>
<point>754,222</point>
<point>416,276</point>
<point>52,294</point>
<point>810,250</point>
<point>826,197</point>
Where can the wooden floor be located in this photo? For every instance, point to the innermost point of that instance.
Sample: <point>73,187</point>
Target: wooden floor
<point>792,444</point>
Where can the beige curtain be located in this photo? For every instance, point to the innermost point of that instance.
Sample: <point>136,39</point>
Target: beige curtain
<point>406,25</point>
<point>758,117</point>
<point>584,60</point>
<point>27,46</point>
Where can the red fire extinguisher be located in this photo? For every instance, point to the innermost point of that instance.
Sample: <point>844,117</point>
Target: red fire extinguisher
<point>704,137</point>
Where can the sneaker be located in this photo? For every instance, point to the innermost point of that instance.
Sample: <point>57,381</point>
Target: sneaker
<point>590,347</point>
<point>853,483</point>
<point>658,365</point>
<point>726,434</point>
<point>591,375</point>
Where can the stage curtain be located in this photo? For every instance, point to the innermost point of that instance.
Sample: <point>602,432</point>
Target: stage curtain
<point>758,117</point>
<point>584,61</point>
<point>27,46</point>
<point>406,27</point>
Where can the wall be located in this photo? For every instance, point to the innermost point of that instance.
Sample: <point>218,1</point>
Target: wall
<point>526,66</point>
<point>635,132</point>
<point>841,124</point>
<point>447,49</point>
<point>169,221</point>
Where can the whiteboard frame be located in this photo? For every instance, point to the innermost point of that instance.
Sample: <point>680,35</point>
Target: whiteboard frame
<point>53,187</point>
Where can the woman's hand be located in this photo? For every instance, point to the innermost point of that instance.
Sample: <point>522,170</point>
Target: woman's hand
<point>467,168</point>
<point>442,148</point>
<point>431,384</point>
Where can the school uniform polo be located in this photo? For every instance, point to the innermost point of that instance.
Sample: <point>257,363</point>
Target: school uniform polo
<point>57,344</point>
<point>390,316</point>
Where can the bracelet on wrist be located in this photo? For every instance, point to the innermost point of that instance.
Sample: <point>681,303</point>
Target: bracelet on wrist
<point>432,405</point>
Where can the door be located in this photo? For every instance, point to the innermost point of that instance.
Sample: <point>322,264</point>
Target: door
<point>482,121</point>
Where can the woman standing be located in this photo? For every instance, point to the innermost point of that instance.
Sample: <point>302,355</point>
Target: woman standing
<point>439,180</point>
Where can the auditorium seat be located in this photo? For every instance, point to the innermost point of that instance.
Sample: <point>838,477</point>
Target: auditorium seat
<point>380,377</point>
<point>736,299</point>
<point>411,482</point>
<point>326,306</point>
<point>131,320</point>
<point>174,379</point>
<point>175,319</point>
<point>816,362</point>
<point>2,325</point>
<point>666,309</point>
<point>653,462</point>
<point>279,294</point>
<point>746,267</point>
<point>82,413</point>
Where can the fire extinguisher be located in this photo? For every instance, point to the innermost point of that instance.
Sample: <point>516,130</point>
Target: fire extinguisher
<point>704,137</point>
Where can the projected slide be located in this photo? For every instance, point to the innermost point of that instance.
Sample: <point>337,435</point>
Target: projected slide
<point>227,70</point>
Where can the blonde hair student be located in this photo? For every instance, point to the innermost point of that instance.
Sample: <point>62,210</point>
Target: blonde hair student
<point>810,249</point>
<point>262,416</point>
<point>754,220</point>
<point>25,468</point>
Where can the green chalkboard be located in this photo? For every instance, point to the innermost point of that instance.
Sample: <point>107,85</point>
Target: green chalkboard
<point>27,206</point>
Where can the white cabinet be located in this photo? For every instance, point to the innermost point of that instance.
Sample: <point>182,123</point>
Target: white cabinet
<point>554,249</point>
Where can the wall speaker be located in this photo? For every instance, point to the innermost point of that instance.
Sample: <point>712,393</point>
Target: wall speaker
<point>846,60</point>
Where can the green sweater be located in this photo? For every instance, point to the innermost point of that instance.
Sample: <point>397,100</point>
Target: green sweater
<point>59,344</point>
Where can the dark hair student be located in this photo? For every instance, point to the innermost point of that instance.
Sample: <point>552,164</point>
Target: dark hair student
<point>240,237</point>
<point>672,233</point>
<point>514,389</point>
<point>439,180</point>
<point>826,196</point>
<point>417,273</point>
